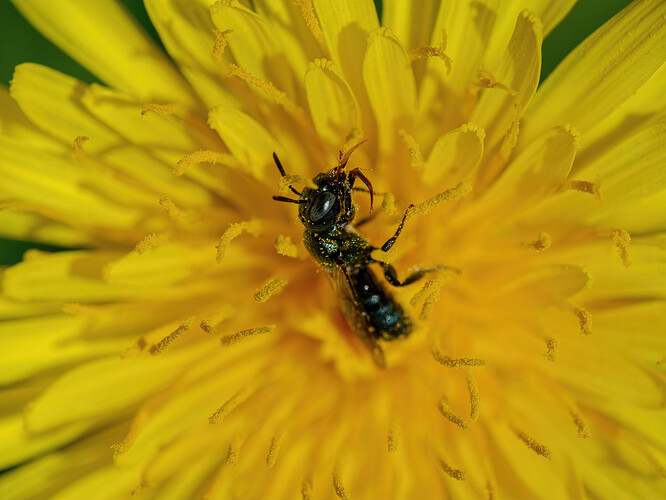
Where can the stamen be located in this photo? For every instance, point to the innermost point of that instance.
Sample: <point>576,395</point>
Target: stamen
<point>274,450</point>
<point>388,204</point>
<point>584,319</point>
<point>430,293</point>
<point>306,489</point>
<point>221,40</point>
<point>223,411</point>
<point>232,454</point>
<point>311,19</point>
<point>393,438</point>
<point>429,51</point>
<point>284,182</point>
<point>415,156</point>
<point>202,156</point>
<point>486,80</point>
<point>252,227</point>
<point>453,194</point>
<point>583,429</point>
<point>338,485</point>
<point>450,416</point>
<point>535,446</point>
<point>584,187</point>
<point>79,153</point>
<point>622,240</point>
<point>269,289</point>
<point>552,349</point>
<point>542,243</point>
<point>158,109</point>
<point>457,474</point>
<point>474,398</point>
<point>237,337</point>
<point>510,138</point>
<point>172,210</point>
<point>163,344</point>
<point>208,324</point>
<point>151,241</point>
<point>285,247</point>
<point>455,362</point>
<point>267,88</point>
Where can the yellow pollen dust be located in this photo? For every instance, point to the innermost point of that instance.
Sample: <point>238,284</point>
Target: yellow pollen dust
<point>284,182</point>
<point>269,289</point>
<point>79,153</point>
<point>151,241</point>
<point>237,337</point>
<point>393,438</point>
<point>267,88</point>
<point>163,344</point>
<point>451,471</point>
<point>622,239</point>
<point>252,227</point>
<point>486,80</point>
<point>158,109</point>
<point>552,349</point>
<point>388,204</point>
<point>221,41</point>
<point>224,410</point>
<point>202,156</point>
<point>308,13</point>
<point>172,210</point>
<point>274,449</point>
<point>232,454</point>
<point>584,187</point>
<point>284,246</point>
<point>542,243</point>
<point>429,51</point>
<point>208,323</point>
<point>338,484</point>
<point>474,398</point>
<point>415,156</point>
<point>450,416</point>
<point>535,446</point>
<point>453,194</point>
<point>449,362</point>
<point>306,489</point>
<point>583,429</point>
<point>584,319</point>
<point>429,295</point>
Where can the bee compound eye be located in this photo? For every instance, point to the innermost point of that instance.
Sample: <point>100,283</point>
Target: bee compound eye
<point>322,206</point>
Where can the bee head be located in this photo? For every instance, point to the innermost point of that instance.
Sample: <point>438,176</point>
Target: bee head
<point>321,209</point>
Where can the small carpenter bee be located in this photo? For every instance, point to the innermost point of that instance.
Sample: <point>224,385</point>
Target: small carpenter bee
<point>327,214</point>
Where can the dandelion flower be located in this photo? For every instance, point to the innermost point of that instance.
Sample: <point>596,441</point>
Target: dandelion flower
<point>188,346</point>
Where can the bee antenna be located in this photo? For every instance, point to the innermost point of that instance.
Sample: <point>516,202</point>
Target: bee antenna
<point>279,166</point>
<point>288,200</point>
<point>344,157</point>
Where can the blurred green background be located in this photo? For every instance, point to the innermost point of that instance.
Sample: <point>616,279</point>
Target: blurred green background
<point>19,43</point>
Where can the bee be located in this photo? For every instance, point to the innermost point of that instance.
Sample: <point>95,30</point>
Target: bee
<point>334,241</point>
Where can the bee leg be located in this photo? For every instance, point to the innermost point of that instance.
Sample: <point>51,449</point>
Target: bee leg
<point>390,242</point>
<point>416,274</point>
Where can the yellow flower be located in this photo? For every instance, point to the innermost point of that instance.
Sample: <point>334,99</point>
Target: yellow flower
<point>191,348</point>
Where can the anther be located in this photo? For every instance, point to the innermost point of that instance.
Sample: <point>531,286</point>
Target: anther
<point>584,187</point>
<point>79,153</point>
<point>278,96</point>
<point>158,109</point>
<point>456,362</point>
<point>486,80</point>
<point>584,319</point>
<point>151,241</point>
<point>583,429</point>
<point>223,411</point>
<point>232,453</point>
<point>415,156</point>
<point>453,194</point>
<point>552,349</point>
<point>311,21</point>
<point>393,438</point>
<point>474,398</point>
<point>622,239</point>
<point>221,41</point>
<point>163,344</point>
<point>534,445</point>
<point>450,416</point>
<point>208,324</point>
<point>542,243</point>
<point>252,227</point>
<point>338,484</point>
<point>274,449</point>
<point>202,156</point>
<point>306,489</point>
<point>269,289</point>
<point>237,337</point>
<point>388,204</point>
<point>451,471</point>
<point>284,246</point>
<point>172,210</point>
<point>429,51</point>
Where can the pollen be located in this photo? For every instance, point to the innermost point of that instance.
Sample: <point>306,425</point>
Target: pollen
<point>158,109</point>
<point>172,210</point>
<point>584,187</point>
<point>584,319</point>
<point>622,239</point>
<point>415,156</point>
<point>284,182</point>
<point>338,484</point>
<point>450,416</point>
<point>534,445</point>
<point>221,41</point>
<point>583,428</point>
<point>223,411</point>
<point>243,334</point>
<point>306,489</point>
<point>208,324</point>
<point>454,194</point>
<point>388,204</point>
<point>474,397</point>
<point>265,87</point>
<point>163,344</point>
<point>455,362</point>
<point>438,51</point>
<point>311,21</point>
<point>232,453</point>
<point>202,156</point>
<point>151,241</point>
<point>393,438</point>
<point>274,449</point>
<point>79,153</point>
<point>451,471</point>
<point>252,227</point>
<point>541,244</point>
<point>552,349</point>
<point>269,289</point>
<point>284,246</point>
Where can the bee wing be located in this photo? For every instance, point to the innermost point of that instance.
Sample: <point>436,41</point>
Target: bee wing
<point>353,310</point>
